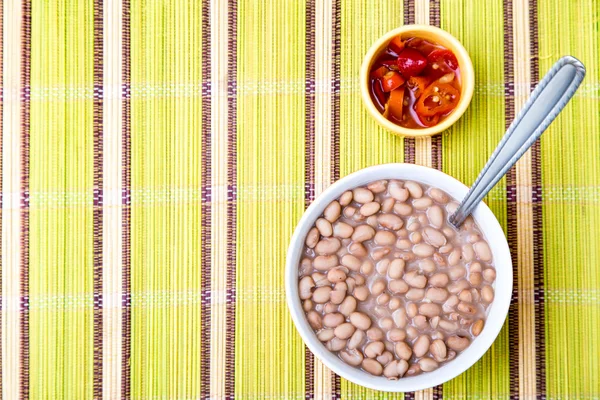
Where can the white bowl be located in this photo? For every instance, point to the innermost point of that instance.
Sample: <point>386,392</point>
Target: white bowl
<point>496,315</point>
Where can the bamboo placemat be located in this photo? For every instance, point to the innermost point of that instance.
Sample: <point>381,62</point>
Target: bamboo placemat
<point>156,156</point>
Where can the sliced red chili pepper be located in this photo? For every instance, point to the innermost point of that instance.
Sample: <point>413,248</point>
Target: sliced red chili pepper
<point>423,46</point>
<point>411,62</point>
<point>396,103</point>
<point>429,121</point>
<point>391,80</point>
<point>379,72</point>
<point>438,98</point>
<point>417,84</point>
<point>444,57</point>
<point>396,45</point>
<point>378,94</point>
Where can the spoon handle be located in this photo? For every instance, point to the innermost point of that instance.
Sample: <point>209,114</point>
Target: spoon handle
<point>546,102</point>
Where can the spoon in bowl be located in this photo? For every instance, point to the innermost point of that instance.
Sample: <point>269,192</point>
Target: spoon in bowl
<point>547,100</point>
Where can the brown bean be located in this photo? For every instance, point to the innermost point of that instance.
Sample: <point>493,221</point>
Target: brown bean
<point>436,216</point>
<point>352,357</point>
<point>430,309</point>
<point>325,335</point>
<point>305,287</point>
<point>422,203</point>
<point>475,278</point>
<point>324,227</point>
<point>358,250</point>
<point>333,211</point>
<point>437,295</point>
<point>372,366</point>
<point>348,306</point>
<point>372,221</point>
<point>383,299</point>
<point>395,303</point>
<point>386,323</point>
<point>359,279</point>
<point>328,246</point>
<point>349,211</point>
<point>457,272</point>
<point>421,346</point>
<point>403,350</point>
<point>412,310</point>
<point>482,249</point>
<point>314,319</point>
<point>423,250</point>
<point>385,358</point>
<point>342,230</point>
<point>385,238</point>
<point>448,326</point>
<point>337,296</point>
<point>438,349</point>
<point>439,280</point>
<point>374,349</point>
<point>434,322</point>
<point>377,186</point>
<point>344,331</point>
<point>415,190</point>
<point>336,344</point>
<point>454,257</point>
<point>397,192</point>
<point>487,294</point>
<point>428,364</point>
<point>477,327</point>
<point>382,266</point>
<point>356,339</point>
<point>374,334</point>
<point>457,343</point>
<point>345,198</point>
<point>380,253</point>
<point>361,293</point>
<point>307,305</point>
<point>390,221</point>
<point>403,209</point>
<point>377,287</point>
<point>396,334</point>
<point>403,244</point>
<point>369,209</point>
<point>360,320</point>
<point>415,279</point>
<point>413,225</point>
<point>398,286</point>
<point>324,263</point>
<point>396,268</point>
<point>391,370</point>
<point>467,253</point>
<point>415,294</point>
<point>388,205</point>
<point>321,295</point>
<point>448,232</point>
<point>465,296</point>
<point>434,237</point>
<point>333,319</point>
<point>399,317</point>
<point>489,274</point>
<point>362,195</point>
<point>320,279</point>
<point>475,267</point>
<point>336,275</point>
<point>446,249</point>
<point>466,308</point>
<point>411,333</point>
<point>363,233</point>
<point>420,321</point>
<point>312,238</point>
<point>438,195</point>
<point>351,262</point>
<point>452,207</point>
<point>456,287</point>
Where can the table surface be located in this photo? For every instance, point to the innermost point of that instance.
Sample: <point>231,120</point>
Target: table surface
<point>158,154</point>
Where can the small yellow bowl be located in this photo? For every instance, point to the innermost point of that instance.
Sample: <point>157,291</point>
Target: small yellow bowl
<point>438,36</point>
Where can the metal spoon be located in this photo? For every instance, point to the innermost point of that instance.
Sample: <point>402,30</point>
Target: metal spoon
<point>547,100</point>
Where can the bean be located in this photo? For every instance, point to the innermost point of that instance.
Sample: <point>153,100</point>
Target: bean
<point>414,369</point>
<point>382,266</point>
<point>314,319</point>
<point>336,344</point>
<point>489,274</point>
<point>395,303</point>
<point>451,207</point>
<point>377,186</point>
<point>423,250</point>
<point>324,263</point>
<point>403,350</point>
<point>333,211</point>
<point>353,358</point>
<point>428,364</point>
<point>378,287</point>
<point>434,237</point>
<point>416,237</point>
<point>363,233</point>
<point>397,192</point>
<point>448,232</point>
<point>457,343</point>
<point>361,293</point>
<point>374,349</point>
<point>473,237</point>
<point>362,195</point>
<point>336,275</point>
<point>320,279</point>
<point>475,295</point>
<point>483,251</point>
<point>403,244</point>
<point>351,262</point>
<point>359,279</point>
<point>411,333</point>
<point>324,227</point>
<point>465,296</point>
<point>454,257</point>
<point>372,366</point>
<point>360,320</point>
<point>439,280</point>
<point>370,208</point>
<point>396,268</point>
<point>413,225</point>
<point>415,294</point>
<point>403,209</point>
<point>438,349</point>
<point>477,327</point>
<point>312,238</point>
<point>383,299</point>
<point>351,283</point>
<point>307,305</point>
<point>367,268</point>
<point>421,346</point>
<point>448,326</point>
<point>437,295</point>
<point>415,190</point>
<point>332,320</point>
<point>345,198</point>
<point>430,309</point>
<point>487,294</point>
<point>434,322</point>
<point>402,367</point>
<point>412,310</point>
<point>457,272</point>
<point>422,203</point>
<point>374,333</point>
<point>446,249</point>
<point>325,335</point>
<point>390,221</point>
<point>344,331</point>
<point>420,321</point>
<point>466,308</point>
<point>385,238</point>
<point>349,211</point>
<point>342,230</point>
<point>391,370</point>
<point>475,278</point>
<point>328,246</point>
<point>388,205</point>
<point>356,339</point>
<point>380,253</point>
<point>305,287</point>
<point>358,250</point>
<point>414,279</point>
<point>475,267</point>
<point>399,317</point>
<point>467,253</point>
<point>321,295</point>
<point>438,195</point>
<point>386,323</point>
<point>436,216</point>
<point>456,287</point>
<point>396,334</point>
<point>348,306</point>
<point>337,296</point>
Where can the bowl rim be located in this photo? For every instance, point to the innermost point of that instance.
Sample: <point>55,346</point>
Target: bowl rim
<point>496,315</point>
<point>467,77</point>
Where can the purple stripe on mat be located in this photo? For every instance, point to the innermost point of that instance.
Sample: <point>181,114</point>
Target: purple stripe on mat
<point>309,159</point>
<point>126,216</point>
<point>231,205</point>
<point>25,114</point>
<point>205,223</point>
<point>97,193</point>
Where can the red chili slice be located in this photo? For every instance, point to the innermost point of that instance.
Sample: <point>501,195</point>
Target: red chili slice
<point>378,73</point>
<point>411,62</point>
<point>445,57</point>
<point>438,98</point>
<point>391,80</point>
<point>396,45</point>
